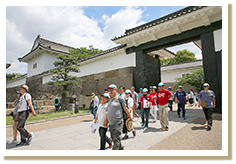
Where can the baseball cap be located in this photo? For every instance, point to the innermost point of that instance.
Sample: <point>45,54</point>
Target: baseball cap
<point>154,87</point>
<point>169,88</point>
<point>105,95</point>
<point>180,86</point>
<point>145,90</point>
<point>160,84</point>
<point>127,91</point>
<point>205,85</point>
<point>150,87</point>
<point>140,88</point>
<point>112,86</point>
<point>18,92</point>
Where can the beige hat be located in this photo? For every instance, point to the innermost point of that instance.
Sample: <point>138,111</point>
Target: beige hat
<point>25,87</point>
<point>129,124</point>
<point>93,95</point>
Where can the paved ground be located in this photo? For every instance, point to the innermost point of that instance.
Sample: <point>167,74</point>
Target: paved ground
<point>75,134</point>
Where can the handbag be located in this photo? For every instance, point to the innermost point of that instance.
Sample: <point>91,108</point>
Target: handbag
<point>204,103</point>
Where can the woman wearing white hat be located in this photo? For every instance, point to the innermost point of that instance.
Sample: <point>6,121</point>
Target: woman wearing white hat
<point>130,103</point>
<point>208,102</point>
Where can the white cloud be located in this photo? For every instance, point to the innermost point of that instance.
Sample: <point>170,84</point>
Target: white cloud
<point>66,25</point>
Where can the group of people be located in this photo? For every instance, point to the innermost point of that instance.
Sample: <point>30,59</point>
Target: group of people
<point>117,108</point>
<point>117,111</point>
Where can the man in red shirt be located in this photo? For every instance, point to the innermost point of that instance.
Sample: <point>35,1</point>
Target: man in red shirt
<point>146,104</point>
<point>163,97</point>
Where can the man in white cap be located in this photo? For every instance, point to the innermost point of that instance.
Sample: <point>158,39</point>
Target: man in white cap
<point>116,109</point>
<point>23,113</point>
<point>207,96</point>
<point>163,97</point>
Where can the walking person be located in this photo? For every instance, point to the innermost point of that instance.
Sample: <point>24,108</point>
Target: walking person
<point>208,102</point>
<point>24,106</point>
<point>139,97</point>
<point>130,104</point>
<point>122,92</point>
<point>163,97</point>
<point>146,101</point>
<point>153,110</point>
<point>101,117</point>
<point>191,97</point>
<point>116,108</point>
<point>14,124</point>
<point>95,101</point>
<point>170,101</point>
<point>135,98</point>
<point>181,100</point>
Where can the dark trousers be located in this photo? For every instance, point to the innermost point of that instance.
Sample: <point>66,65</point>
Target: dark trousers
<point>22,117</point>
<point>145,111</point>
<point>208,115</point>
<point>170,102</point>
<point>182,106</point>
<point>104,138</point>
<point>116,131</point>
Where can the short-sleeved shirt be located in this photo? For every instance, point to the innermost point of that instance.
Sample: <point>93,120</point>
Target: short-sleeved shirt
<point>134,96</point>
<point>16,102</point>
<point>122,95</point>
<point>163,97</point>
<point>154,97</point>
<point>180,96</point>
<point>115,110</point>
<point>102,110</point>
<point>57,101</point>
<point>130,103</point>
<point>203,97</point>
<point>147,97</point>
<point>139,96</point>
<point>95,101</point>
<point>23,104</point>
<point>171,98</point>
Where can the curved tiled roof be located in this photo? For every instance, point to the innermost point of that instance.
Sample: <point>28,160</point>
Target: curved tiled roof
<point>158,21</point>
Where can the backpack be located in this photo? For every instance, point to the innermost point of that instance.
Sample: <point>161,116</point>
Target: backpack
<point>91,106</point>
<point>31,102</point>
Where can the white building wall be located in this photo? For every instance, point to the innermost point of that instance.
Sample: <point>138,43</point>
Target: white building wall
<point>218,40</point>
<point>107,64</point>
<point>16,83</point>
<point>40,65</point>
<point>49,59</point>
<point>169,76</point>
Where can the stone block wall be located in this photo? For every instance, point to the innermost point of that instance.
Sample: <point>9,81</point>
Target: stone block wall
<point>44,94</point>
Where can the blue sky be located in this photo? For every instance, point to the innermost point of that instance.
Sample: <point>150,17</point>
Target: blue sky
<point>76,26</point>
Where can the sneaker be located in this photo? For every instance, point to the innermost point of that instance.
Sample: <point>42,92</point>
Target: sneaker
<point>12,142</point>
<point>125,137</point>
<point>154,121</point>
<point>143,124</point>
<point>162,128</point>
<point>184,118</point>
<point>21,144</point>
<point>134,133</point>
<point>30,138</point>
<point>110,145</point>
<point>166,128</point>
<point>208,127</point>
<point>145,127</point>
<point>179,116</point>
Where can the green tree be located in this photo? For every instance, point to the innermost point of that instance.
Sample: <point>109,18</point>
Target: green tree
<point>66,64</point>
<point>13,76</point>
<point>195,79</point>
<point>181,57</point>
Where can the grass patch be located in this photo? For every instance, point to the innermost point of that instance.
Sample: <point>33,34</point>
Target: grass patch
<point>48,115</point>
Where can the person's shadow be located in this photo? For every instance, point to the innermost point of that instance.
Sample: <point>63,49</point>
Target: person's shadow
<point>11,146</point>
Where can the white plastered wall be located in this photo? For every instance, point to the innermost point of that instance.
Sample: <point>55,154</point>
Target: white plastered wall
<point>16,83</point>
<point>218,40</point>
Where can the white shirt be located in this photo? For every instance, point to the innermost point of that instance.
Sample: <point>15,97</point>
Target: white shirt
<point>95,101</point>
<point>191,95</point>
<point>101,112</point>
<point>23,103</point>
<point>123,95</point>
<point>130,104</point>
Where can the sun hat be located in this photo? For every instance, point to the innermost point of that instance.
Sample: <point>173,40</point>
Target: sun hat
<point>93,95</point>
<point>160,84</point>
<point>18,92</point>
<point>127,91</point>
<point>180,86</point>
<point>129,124</point>
<point>105,95</point>
<point>205,85</point>
<point>112,86</point>
<point>145,90</point>
<point>25,87</point>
